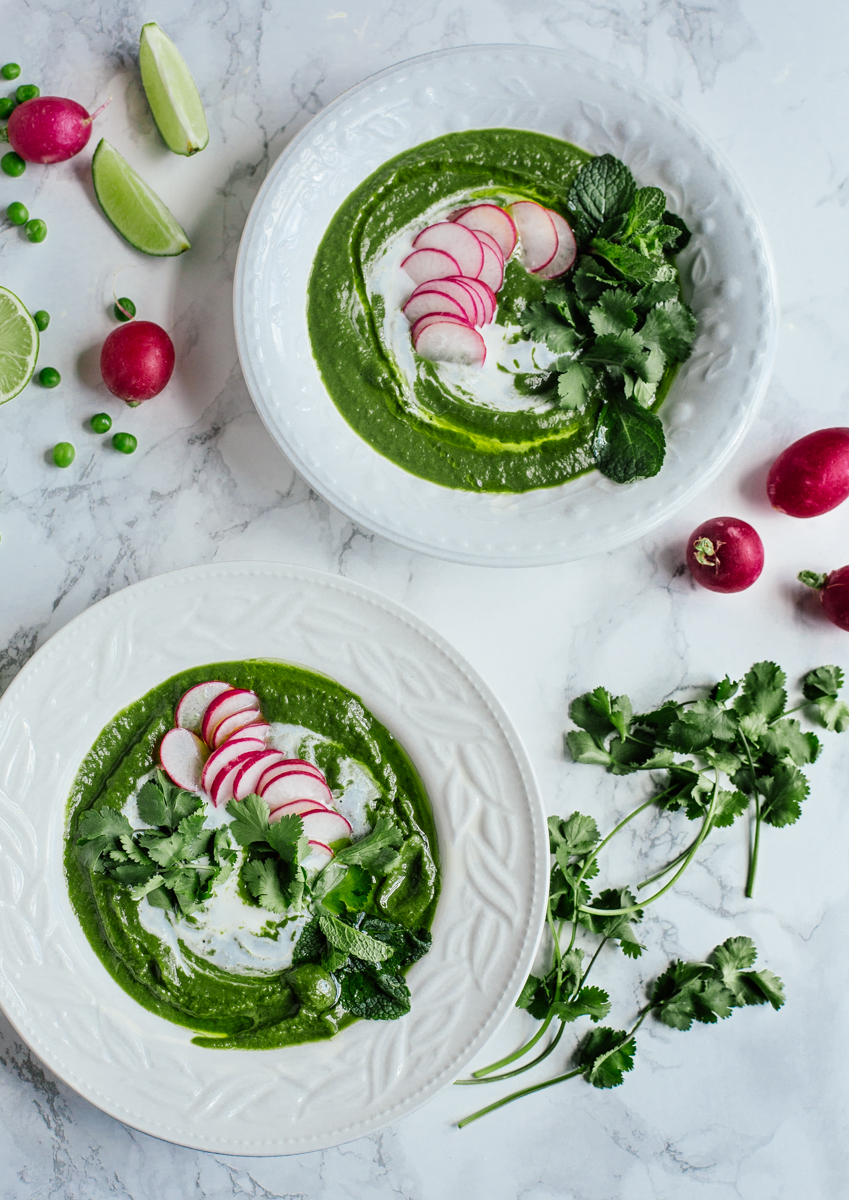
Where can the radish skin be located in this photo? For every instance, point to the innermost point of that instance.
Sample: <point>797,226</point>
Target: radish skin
<point>811,476</point>
<point>725,555</point>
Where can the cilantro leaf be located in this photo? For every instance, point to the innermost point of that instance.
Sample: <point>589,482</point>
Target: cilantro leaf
<point>623,350</point>
<point>629,442</point>
<point>601,713</point>
<point>614,312</point>
<point>151,804</point>
<point>728,807</point>
<point>583,748</point>
<point>675,995</point>
<point>824,681</point>
<point>834,714</point>
<point>376,850</point>
<point>606,1055</point>
<point>250,820</point>
<point>544,324</point>
<point>733,960</point>
<point>590,1002</point>
<point>100,831</point>
<point>785,739</point>
<point>576,835</point>
<point>263,882</point>
<point>534,997</point>
<point>763,692</point>
<point>350,893</point>
<point>601,196</point>
<point>701,723</point>
<point>670,327</point>
<point>783,792</point>
<point>573,385</point>
<point>286,836</point>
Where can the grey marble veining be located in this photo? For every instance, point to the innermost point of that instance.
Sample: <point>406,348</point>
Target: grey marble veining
<point>753,1109</point>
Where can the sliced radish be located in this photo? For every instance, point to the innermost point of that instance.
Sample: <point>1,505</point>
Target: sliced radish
<point>567,249</point>
<point>536,229</point>
<point>425,265</point>
<point>445,340</point>
<point>278,771</point>
<point>457,292</point>
<point>232,701</point>
<point>458,241</point>
<point>182,755</point>
<point>296,786</point>
<point>326,827</point>
<point>489,218</point>
<point>221,790</point>
<point>318,857</point>
<point>297,808</point>
<point>485,296</point>
<point>422,304</point>
<point>235,724</point>
<point>249,774</point>
<point>194,703</point>
<point>225,755</point>
<point>492,271</point>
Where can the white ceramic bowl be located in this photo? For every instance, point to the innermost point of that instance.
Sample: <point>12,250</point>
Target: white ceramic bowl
<point>141,1068</point>
<point>726,269</point>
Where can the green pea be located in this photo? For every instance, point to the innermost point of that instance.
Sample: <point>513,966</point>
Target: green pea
<point>13,164</point>
<point>64,454</point>
<point>49,377</point>
<point>10,71</point>
<point>124,309</point>
<point>314,987</point>
<point>27,91</point>
<point>7,107</point>
<point>17,213</point>
<point>125,442</point>
<point>36,230</point>
<point>102,423</point>
<point>42,319</point>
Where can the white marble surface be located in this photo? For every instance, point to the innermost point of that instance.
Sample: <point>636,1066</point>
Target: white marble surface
<point>754,1108</point>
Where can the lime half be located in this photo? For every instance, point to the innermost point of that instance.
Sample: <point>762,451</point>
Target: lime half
<point>171,92</point>
<point>133,208</point>
<point>18,345</point>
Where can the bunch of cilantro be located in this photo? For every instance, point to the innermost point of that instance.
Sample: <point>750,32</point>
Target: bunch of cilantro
<point>174,864</point>
<point>617,322</point>
<point>754,743</point>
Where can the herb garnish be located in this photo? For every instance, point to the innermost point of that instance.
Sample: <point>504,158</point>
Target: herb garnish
<point>174,864</point>
<point>618,320</point>
<point>755,744</point>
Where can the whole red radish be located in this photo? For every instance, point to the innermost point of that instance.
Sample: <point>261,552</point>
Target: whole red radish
<point>811,476</point>
<point>136,361</point>
<point>834,594</point>
<point>49,129</point>
<point>725,555</point>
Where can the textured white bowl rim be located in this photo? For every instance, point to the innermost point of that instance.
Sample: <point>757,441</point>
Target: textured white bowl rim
<point>117,622</point>
<point>608,537</point>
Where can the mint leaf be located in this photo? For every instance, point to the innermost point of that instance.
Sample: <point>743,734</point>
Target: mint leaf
<point>684,234</point>
<point>311,946</point>
<point>630,263</point>
<point>351,940</point>
<point>601,196</point>
<point>647,209</point>
<point>374,995</point>
<point>629,442</point>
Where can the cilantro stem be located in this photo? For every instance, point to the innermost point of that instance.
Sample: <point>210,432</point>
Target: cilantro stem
<point>536,1087</point>
<point>703,832</point>
<point>519,1070</point>
<point>756,839</point>
<point>529,1045</point>
<point>665,870</point>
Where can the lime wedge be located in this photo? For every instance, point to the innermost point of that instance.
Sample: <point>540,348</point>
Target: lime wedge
<point>133,208</point>
<point>18,345</point>
<point>171,92</point>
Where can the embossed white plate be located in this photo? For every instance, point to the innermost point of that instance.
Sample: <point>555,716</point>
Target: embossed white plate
<point>726,270</point>
<point>492,839</point>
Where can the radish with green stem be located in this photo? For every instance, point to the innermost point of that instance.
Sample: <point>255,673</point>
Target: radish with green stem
<point>833,592</point>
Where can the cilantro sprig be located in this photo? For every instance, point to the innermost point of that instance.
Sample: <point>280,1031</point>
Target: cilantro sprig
<point>735,751</point>
<point>175,863</point>
<point>618,321</point>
